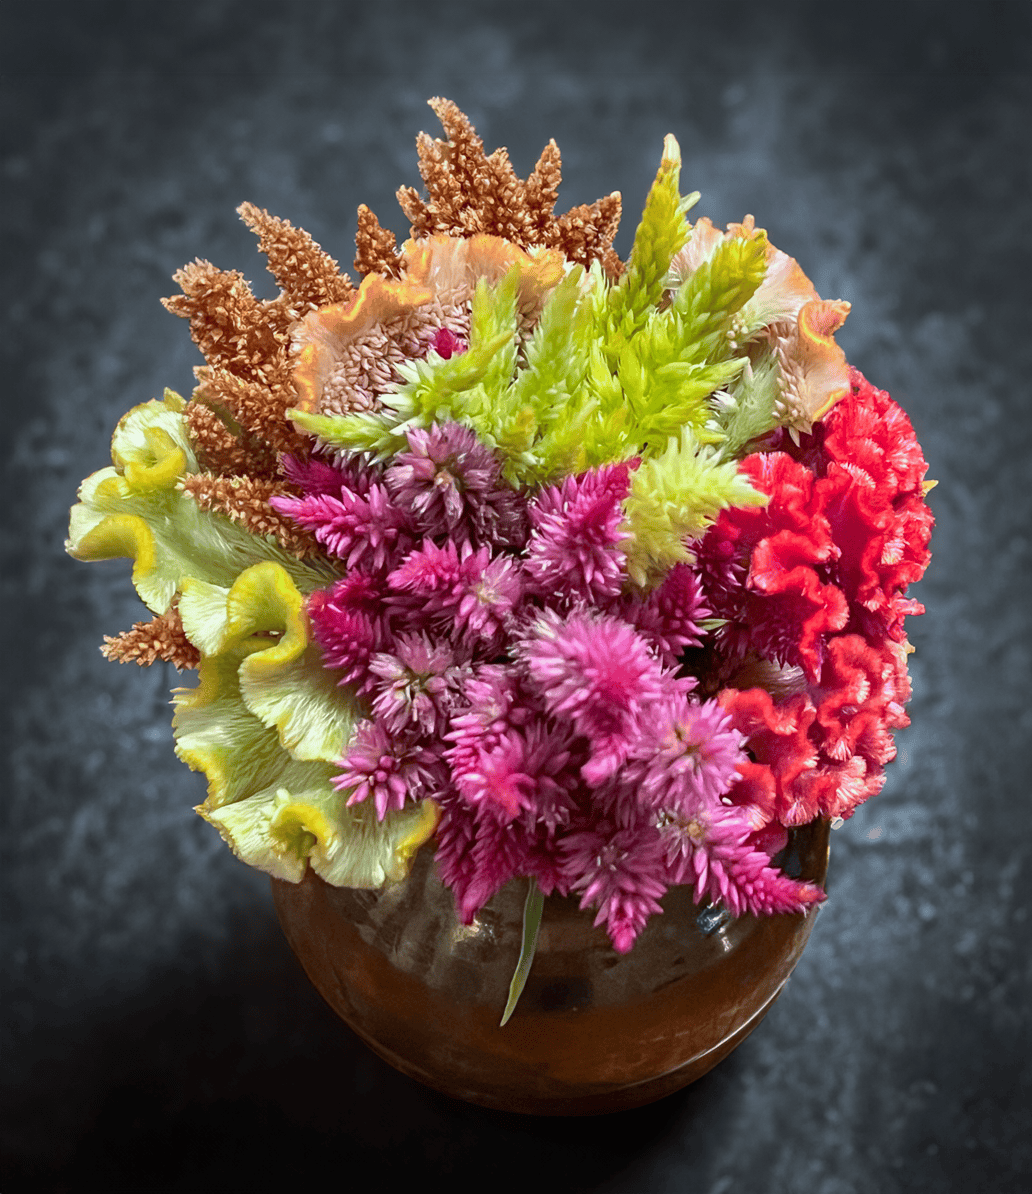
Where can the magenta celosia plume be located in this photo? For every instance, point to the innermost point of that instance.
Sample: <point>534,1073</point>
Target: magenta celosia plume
<point>512,674</point>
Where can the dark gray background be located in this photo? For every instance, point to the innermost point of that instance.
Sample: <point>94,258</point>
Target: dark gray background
<point>160,1035</point>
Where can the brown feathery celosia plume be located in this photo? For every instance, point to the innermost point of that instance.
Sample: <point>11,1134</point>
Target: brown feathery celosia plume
<point>241,338</point>
<point>162,637</point>
<point>307,275</point>
<point>471,192</point>
<point>246,501</point>
<point>377,248</point>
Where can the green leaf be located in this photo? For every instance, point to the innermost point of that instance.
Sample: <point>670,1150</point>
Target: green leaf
<point>532,910</point>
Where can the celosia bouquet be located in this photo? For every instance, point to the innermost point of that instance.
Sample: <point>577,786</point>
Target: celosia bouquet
<point>594,572</point>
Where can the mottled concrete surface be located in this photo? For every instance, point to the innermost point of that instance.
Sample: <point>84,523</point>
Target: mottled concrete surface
<point>159,1035</point>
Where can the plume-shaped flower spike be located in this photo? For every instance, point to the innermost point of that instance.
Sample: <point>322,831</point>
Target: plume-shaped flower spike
<point>388,769</point>
<point>367,531</point>
<point>465,591</point>
<point>709,849</point>
<point>621,873</point>
<point>598,675</point>
<point>574,552</point>
<point>451,484</point>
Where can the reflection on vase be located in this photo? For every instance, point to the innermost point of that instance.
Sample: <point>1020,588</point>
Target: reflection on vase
<point>594,1030</point>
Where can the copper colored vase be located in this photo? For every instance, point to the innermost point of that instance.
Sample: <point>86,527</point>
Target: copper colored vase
<point>594,1031</point>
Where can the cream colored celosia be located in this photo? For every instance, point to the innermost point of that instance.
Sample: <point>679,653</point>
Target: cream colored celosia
<point>349,354</point>
<point>787,315</point>
<point>268,725</point>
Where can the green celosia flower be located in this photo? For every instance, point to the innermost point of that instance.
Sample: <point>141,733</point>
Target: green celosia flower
<point>674,497</point>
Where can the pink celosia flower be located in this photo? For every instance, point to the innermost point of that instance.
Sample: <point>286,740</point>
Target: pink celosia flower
<point>451,484</point>
<point>388,770</point>
<point>418,684</point>
<point>476,857</point>
<point>349,622</point>
<point>364,531</point>
<point>574,553</point>
<point>466,592</point>
<point>669,617</point>
<point>689,753</point>
<point>516,770</point>
<point>710,850</point>
<point>620,872</point>
<point>315,476</point>
<point>596,674</point>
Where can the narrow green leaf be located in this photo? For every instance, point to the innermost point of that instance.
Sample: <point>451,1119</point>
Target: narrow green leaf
<point>531,923</point>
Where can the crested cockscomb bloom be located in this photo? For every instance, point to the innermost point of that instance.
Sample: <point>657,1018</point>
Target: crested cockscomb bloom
<point>388,769</point>
<point>574,551</point>
<point>364,531</point>
<point>785,608</point>
<point>417,684</point>
<point>465,592</point>
<point>621,872</point>
<point>596,674</point>
<point>709,848</point>
<point>451,485</point>
<point>778,740</point>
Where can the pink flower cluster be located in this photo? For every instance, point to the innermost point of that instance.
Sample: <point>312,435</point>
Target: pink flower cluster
<point>512,673</point>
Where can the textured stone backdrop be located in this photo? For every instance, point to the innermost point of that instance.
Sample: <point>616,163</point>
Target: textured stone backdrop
<point>159,1035</point>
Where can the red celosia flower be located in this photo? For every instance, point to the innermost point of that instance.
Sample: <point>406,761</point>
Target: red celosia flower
<point>778,740</point>
<point>785,610</point>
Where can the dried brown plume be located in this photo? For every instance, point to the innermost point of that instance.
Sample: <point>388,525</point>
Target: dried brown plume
<point>470,192</point>
<point>246,501</point>
<point>162,637</point>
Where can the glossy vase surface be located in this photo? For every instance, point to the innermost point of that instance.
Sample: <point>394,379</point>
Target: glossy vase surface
<point>594,1031</point>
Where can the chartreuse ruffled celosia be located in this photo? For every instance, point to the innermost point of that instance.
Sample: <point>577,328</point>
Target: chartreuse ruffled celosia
<point>266,724</point>
<point>608,373</point>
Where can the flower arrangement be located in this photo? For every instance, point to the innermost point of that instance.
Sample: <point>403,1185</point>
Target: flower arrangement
<point>593,572</point>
